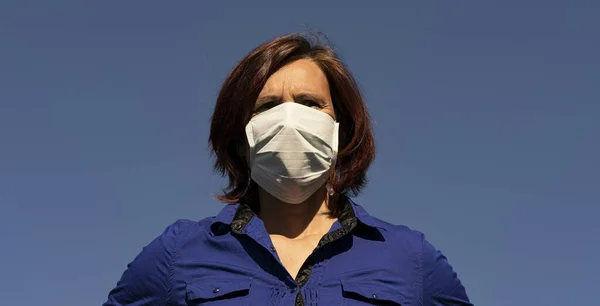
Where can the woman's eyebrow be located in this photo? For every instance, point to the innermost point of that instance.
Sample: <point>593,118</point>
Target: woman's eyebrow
<point>309,96</point>
<point>265,99</point>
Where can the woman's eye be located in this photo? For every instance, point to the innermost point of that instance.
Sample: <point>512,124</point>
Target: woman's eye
<point>265,106</point>
<point>311,103</point>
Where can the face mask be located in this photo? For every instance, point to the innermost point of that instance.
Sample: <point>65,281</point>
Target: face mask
<point>293,149</point>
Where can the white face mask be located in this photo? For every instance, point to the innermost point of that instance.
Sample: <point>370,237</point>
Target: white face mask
<point>293,149</point>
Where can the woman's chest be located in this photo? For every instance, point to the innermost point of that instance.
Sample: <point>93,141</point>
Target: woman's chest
<point>293,254</point>
<point>376,277</point>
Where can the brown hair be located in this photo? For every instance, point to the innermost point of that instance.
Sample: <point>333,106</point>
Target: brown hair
<point>236,101</point>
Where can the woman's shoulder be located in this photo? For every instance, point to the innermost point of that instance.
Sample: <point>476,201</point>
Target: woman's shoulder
<point>440,281</point>
<point>399,237</point>
<point>148,276</point>
<point>183,229</point>
<point>395,234</point>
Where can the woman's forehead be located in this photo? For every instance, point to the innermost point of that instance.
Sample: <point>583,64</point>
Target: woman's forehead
<point>301,75</point>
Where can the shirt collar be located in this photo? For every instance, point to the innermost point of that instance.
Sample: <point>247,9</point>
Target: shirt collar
<point>363,216</point>
<point>239,215</point>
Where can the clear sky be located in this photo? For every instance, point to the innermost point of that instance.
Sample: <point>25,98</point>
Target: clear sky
<point>486,116</point>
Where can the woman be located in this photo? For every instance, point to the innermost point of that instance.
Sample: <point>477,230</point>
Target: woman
<point>291,132</point>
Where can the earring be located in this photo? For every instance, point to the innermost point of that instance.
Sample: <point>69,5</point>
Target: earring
<point>330,190</point>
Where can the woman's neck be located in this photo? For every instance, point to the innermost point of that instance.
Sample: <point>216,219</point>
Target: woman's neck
<point>295,221</point>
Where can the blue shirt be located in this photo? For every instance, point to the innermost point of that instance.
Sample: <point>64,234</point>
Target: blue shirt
<point>230,260</point>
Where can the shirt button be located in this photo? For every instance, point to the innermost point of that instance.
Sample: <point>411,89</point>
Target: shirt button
<point>374,295</point>
<point>294,289</point>
<point>273,249</point>
<point>216,290</point>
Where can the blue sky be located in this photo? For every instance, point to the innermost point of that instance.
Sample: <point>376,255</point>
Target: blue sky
<point>486,117</point>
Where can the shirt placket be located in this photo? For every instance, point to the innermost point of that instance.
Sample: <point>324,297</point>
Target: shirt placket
<point>251,226</point>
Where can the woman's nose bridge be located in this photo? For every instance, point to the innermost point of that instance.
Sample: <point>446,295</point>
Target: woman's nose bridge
<point>287,91</point>
<point>287,95</point>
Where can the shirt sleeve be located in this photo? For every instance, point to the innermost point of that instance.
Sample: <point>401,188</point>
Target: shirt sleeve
<point>146,281</point>
<point>441,286</point>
